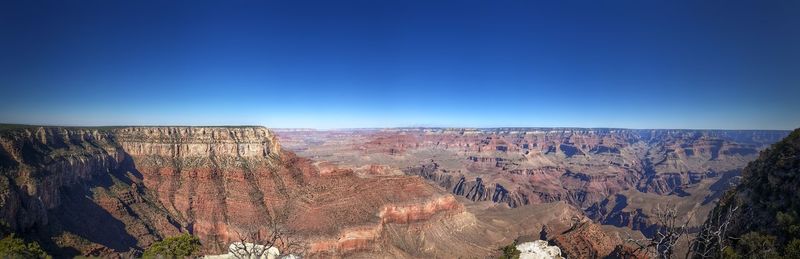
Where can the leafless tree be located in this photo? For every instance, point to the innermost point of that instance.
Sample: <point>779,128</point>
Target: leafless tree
<point>256,240</point>
<point>671,228</point>
<point>713,238</point>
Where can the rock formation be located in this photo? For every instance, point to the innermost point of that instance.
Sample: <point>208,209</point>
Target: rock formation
<point>538,249</point>
<point>586,240</point>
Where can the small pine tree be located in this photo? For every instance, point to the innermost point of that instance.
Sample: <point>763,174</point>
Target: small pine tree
<point>510,251</point>
<point>174,247</point>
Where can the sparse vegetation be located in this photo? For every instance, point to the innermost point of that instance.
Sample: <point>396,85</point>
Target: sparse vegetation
<point>509,251</point>
<point>14,247</point>
<point>174,247</point>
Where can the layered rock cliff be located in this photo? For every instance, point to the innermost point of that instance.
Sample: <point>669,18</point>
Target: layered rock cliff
<point>55,180</point>
<point>214,181</point>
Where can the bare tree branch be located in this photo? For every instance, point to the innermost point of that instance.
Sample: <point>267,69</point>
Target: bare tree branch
<point>276,233</point>
<point>714,237</point>
<point>671,229</point>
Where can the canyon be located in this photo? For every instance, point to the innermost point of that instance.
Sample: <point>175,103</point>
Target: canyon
<point>415,192</point>
<point>113,191</point>
<point>616,177</point>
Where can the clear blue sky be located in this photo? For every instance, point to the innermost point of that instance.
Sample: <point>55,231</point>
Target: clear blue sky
<point>334,64</point>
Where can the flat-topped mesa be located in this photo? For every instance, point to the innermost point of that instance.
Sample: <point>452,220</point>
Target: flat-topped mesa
<point>248,141</point>
<point>147,177</point>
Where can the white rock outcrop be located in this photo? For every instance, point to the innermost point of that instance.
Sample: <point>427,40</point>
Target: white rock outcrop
<point>538,249</point>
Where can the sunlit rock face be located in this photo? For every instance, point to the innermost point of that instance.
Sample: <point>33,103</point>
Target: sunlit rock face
<point>198,142</point>
<point>538,249</point>
<point>586,240</point>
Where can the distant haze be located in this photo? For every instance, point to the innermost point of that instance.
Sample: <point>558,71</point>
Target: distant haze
<point>355,64</point>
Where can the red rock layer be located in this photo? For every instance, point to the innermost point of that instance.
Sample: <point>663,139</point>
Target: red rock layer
<point>586,240</point>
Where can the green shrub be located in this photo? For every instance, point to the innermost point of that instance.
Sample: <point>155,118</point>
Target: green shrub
<point>510,251</point>
<point>174,247</point>
<point>729,253</point>
<point>792,249</point>
<point>787,221</point>
<point>758,245</point>
<point>13,247</point>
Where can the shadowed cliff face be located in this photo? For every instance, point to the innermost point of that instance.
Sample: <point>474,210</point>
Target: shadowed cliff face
<point>61,184</point>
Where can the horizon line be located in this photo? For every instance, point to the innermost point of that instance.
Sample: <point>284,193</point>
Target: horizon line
<point>22,125</point>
